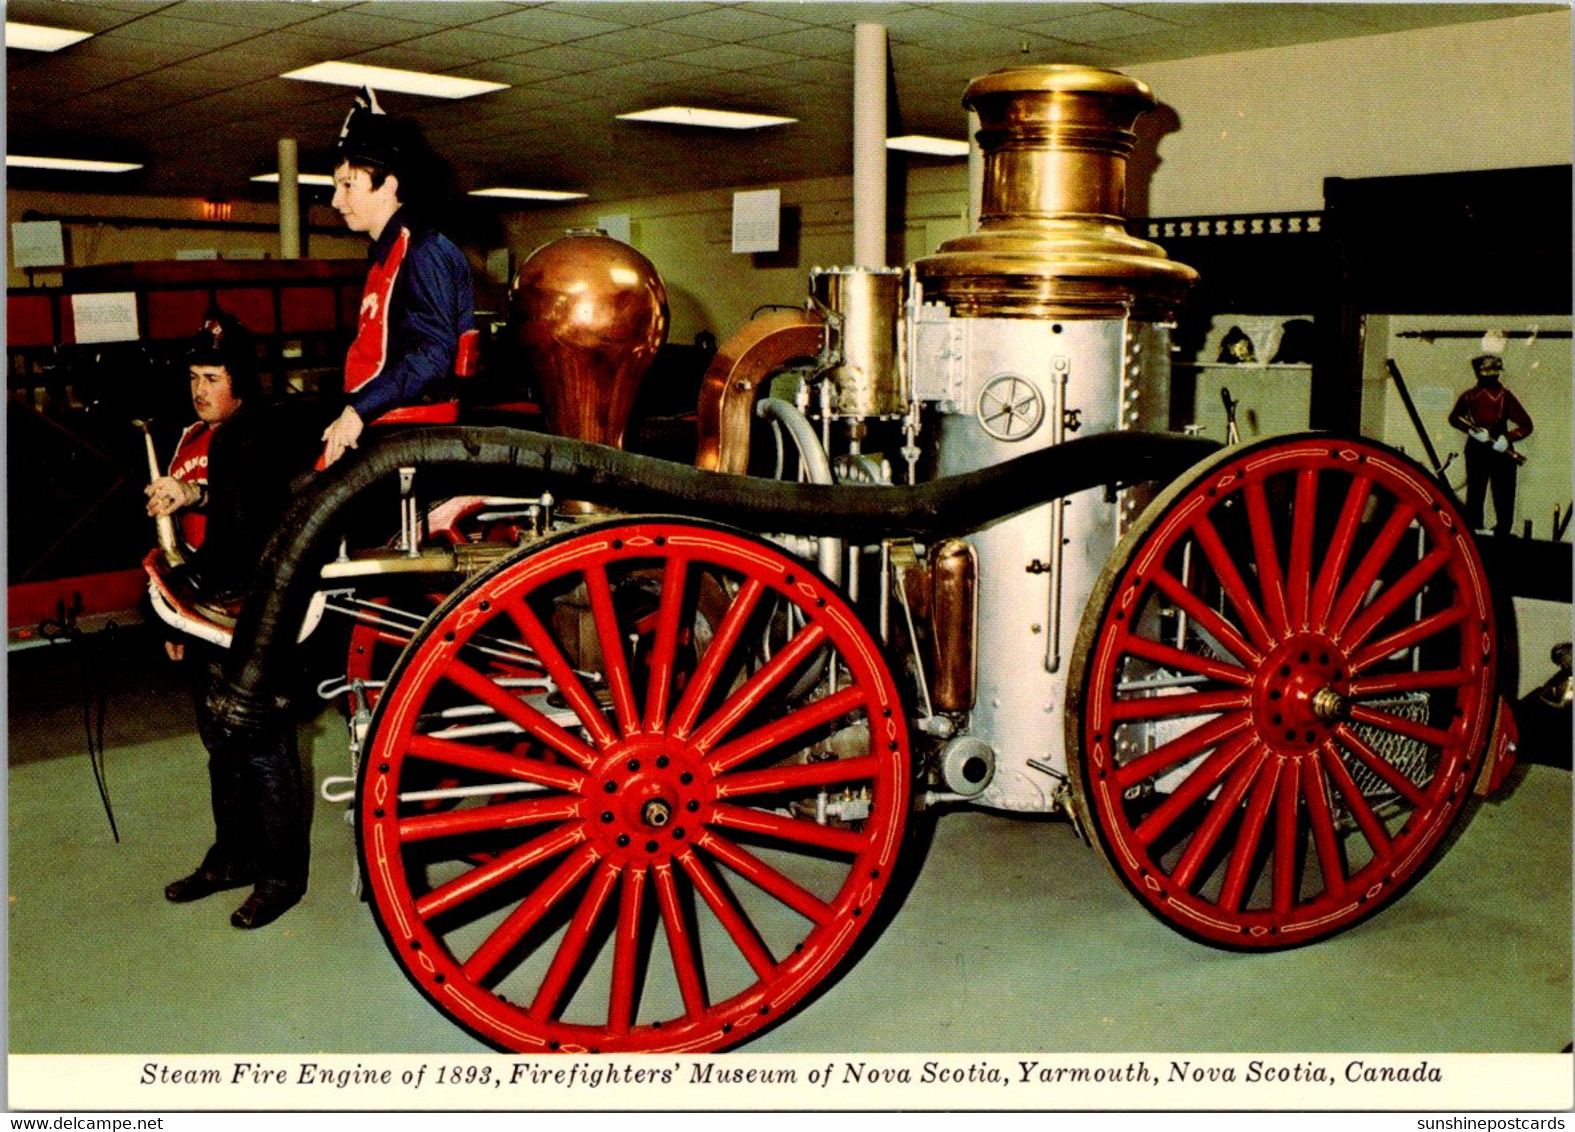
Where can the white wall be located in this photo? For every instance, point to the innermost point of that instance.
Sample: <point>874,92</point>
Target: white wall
<point>1259,130</point>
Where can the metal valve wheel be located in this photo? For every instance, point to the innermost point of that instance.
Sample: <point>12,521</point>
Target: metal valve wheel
<point>669,823</point>
<point>1285,686</point>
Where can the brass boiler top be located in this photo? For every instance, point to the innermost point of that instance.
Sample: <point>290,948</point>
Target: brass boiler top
<point>1052,241</point>
<point>591,313</point>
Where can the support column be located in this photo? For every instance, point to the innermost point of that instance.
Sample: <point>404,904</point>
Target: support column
<point>289,201</point>
<point>869,145</point>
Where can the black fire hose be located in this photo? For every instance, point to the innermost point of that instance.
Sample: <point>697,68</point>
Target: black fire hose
<point>513,461</point>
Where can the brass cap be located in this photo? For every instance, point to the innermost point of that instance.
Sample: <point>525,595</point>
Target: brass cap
<point>1052,241</point>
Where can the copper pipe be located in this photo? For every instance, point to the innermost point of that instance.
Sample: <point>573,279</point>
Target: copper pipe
<point>734,381</point>
<point>954,610</point>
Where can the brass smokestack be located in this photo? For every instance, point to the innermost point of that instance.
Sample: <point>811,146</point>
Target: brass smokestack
<point>1052,241</point>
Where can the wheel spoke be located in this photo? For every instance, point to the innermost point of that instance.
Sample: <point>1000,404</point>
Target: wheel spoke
<point>758,686</point>
<point>486,877</point>
<point>1415,634</point>
<point>487,819</point>
<point>1198,783</point>
<point>507,935</point>
<point>1172,657</point>
<point>571,949</point>
<point>1232,582</point>
<point>1366,820</point>
<point>516,711</point>
<point>680,945</point>
<point>1390,683</point>
<point>1421,732</point>
<point>799,776</point>
<point>1287,838</point>
<point>729,915</point>
<point>1394,597</point>
<point>1299,581</point>
<point>795,830</point>
<point>513,767</point>
<point>1321,822</point>
<point>614,659</point>
<point>1340,549</point>
<point>1270,581</point>
<point>665,651</point>
<point>723,642</point>
<point>1220,812</point>
<point>1207,620</point>
<point>562,673</point>
<point>626,950</point>
<point>1186,703</point>
<point>764,877</point>
<point>1379,765</point>
<point>785,729</point>
<point>1179,749</point>
<point>1376,558</point>
<point>1253,821</point>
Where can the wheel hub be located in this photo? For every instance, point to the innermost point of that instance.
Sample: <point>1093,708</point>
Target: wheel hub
<point>1296,699</point>
<point>653,798</point>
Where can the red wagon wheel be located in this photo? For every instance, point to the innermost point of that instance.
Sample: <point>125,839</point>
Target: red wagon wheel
<point>678,841</point>
<point>1284,681</point>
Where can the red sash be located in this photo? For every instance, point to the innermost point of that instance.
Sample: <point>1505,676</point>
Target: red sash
<point>369,352</point>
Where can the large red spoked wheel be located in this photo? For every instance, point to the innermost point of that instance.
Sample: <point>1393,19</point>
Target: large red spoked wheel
<point>1285,679</point>
<point>674,838</point>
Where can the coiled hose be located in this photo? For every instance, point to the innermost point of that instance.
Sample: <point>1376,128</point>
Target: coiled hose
<point>504,460</point>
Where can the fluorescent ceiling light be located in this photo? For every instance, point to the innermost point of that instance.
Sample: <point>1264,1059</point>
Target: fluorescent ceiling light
<point>527,194</point>
<point>693,116</point>
<point>301,178</point>
<point>388,78</point>
<point>919,143</point>
<point>72,164</point>
<point>37,37</point>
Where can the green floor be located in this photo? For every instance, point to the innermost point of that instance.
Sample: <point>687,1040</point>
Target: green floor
<point>1015,936</point>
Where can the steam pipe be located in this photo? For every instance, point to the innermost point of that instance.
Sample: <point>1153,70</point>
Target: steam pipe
<point>817,466</point>
<point>512,461</point>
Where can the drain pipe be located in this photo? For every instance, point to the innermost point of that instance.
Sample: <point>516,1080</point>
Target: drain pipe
<point>869,145</point>
<point>817,469</point>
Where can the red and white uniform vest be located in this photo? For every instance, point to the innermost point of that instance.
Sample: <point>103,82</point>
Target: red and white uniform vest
<point>368,354</point>
<point>190,465</point>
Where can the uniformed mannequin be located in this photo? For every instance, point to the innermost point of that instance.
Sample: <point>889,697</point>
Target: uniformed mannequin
<point>418,302</point>
<point>1493,421</point>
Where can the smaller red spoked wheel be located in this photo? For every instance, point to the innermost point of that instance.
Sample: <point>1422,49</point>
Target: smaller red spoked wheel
<point>677,839</point>
<point>1284,688</point>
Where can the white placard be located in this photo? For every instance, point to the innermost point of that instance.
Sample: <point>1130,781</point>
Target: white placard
<point>197,253</point>
<point>108,316</point>
<point>38,243</point>
<point>500,265</point>
<point>757,220</point>
<point>618,226</point>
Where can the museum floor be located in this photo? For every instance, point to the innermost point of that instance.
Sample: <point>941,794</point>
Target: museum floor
<point>1015,936</point>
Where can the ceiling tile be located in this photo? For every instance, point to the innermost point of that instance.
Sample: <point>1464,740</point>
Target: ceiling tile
<point>402,57</point>
<point>817,42</point>
<point>648,42</point>
<point>246,13</point>
<point>566,58</point>
<point>731,25</point>
<point>160,28</point>
<point>443,13</point>
<point>78,17</point>
<point>549,26</point>
<point>731,57</point>
<point>465,44</point>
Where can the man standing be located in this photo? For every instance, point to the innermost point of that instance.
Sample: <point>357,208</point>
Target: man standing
<point>1493,420</point>
<point>418,304</point>
<point>259,810</point>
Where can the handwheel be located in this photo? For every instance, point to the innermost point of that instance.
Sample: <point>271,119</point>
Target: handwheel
<point>1284,688</point>
<point>670,842</point>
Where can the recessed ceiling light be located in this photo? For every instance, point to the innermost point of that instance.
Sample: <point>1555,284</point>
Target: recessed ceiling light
<point>71,164</point>
<point>37,37</point>
<point>389,78</point>
<point>301,178</point>
<point>694,116</point>
<point>527,194</point>
<point>919,143</point>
